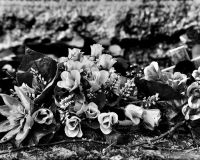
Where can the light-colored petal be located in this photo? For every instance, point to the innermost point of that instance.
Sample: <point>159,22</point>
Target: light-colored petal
<point>25,130</point>
<point>5,110</point>
<point>105,130</point>
<point>10,134</point>
<point>103,76</point>
<point>134,113</point>
<point>151,118</point>
<point>194,102</point>
<point>186,111</point>
<point>80,133</point>
<point>64,75</point>
<point>11,102</point>
<point>25,100</point>
<point>113,118</point>
<point>6,126</point>
<point>71,133</point>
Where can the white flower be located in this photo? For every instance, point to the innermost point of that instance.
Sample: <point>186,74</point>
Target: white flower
<point>96,50</point>
<point>73,65</point>
<point>70,80</point>
<point>151,118</point>
<point>73,127</point>
<point>134,113</point>
<point>106,120</point>
<point>92,111</point>
<point>152,72</point>
<point>97,79</point>
<point>74,54</point>
<point>196,74</point>
<point>106,61</point>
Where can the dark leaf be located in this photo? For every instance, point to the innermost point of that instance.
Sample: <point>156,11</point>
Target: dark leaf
<point>29,58</point>
<point>149,88</point>
<point>99,100</point>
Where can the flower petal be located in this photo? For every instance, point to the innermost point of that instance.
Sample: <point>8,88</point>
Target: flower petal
<point>71,133</point>
<point>103,76</point>
<point>25,130</point>
<point>6,126</point>
<point>105,130</point>
<point>134,113</point>
<point>5,110</point>
<point>26,101</point>
<point>10,134</point>
<point>11,102</point>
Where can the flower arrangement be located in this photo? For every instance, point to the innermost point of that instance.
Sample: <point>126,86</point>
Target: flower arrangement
<point>78,92</point>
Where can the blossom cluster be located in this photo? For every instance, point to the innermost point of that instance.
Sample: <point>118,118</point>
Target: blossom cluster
<point>86,91</point>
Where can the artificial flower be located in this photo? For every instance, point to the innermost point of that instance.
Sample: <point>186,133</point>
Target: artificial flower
<point>134,113</point>
<point>43,116</point>
<point>106,61</point>
<point>96,50</point>
<point>73,127</point>
<point>19,120</point>
<point>30,92</point>
<point>73,65</point>
<point>97,79</point>
<point>151,118</point>
<point>152,72</point>
<point>70,80</point>
<point>196,74</point>
<point>106,120</point>
<point>92,111</point>
<point>74,54</point>
<point>79,106</point>
<point>189,113</point>
<point>177,80</point>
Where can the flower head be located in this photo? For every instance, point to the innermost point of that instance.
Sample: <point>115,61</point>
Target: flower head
<point>73,127</point>
<point>152,72</point>
<point>92,111</point>
<point>75,54</point>
<point>43,116</point>
<point>106,120</point>
<point>96,50</point>
<point>70,80</point>
<point>73,65</point>
<point>19,120</point>
<point>196,74</point>
<point>151,118</point>
<point>106,61</point>
<point>97,79</point>
<point>134,113</point>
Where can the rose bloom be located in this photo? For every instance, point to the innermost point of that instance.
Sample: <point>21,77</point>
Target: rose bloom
<point>151,118</point>
<point>97,79</point>
<point>43,116</point>
<point>134,113</point>
<point>75,54</point>
<point>193,92</point>
<point>96,50</point>
<point>70,80</point>
<point>73,127</point>
<point>106,120</point>
<point>106,61</point>
<point>152,72</point>
<point>92,111</point>
<point>196,74</point>
<point>73,65</point>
